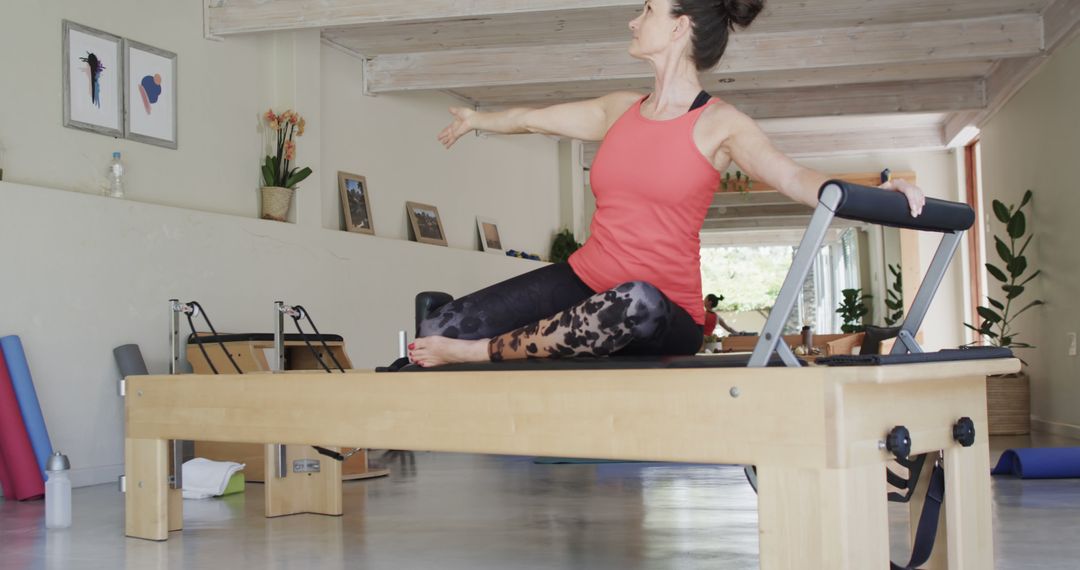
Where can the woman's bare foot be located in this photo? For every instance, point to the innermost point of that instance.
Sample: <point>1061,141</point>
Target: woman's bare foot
<point>438,350</point>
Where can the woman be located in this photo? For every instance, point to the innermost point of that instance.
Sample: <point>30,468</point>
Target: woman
<point>711,318</point>
<point>634,287</point>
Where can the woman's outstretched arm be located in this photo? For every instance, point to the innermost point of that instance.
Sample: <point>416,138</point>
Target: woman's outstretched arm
<point>750,148</point>
<point>584,120</point>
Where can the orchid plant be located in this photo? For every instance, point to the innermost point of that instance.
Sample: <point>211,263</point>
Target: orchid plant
<point>275,168</point>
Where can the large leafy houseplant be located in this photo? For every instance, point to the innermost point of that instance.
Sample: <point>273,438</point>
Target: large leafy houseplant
<point>996,325</point>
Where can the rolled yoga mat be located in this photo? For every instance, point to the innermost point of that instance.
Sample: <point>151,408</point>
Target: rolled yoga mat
<point>1040,463</point>
<point>21,477</point>
<point>27,397</point>
<point>129,360</point>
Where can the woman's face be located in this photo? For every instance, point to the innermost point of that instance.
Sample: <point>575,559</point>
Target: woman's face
<point>653,29</point>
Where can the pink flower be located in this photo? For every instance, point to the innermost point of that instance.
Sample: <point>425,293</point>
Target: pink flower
<point>290,150</point>
<point>270,116</point>
<point>300,128</point>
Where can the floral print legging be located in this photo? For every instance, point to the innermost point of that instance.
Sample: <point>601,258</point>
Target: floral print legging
<point>551,313</point>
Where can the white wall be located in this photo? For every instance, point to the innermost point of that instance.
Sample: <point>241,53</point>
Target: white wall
<point>390,139</point>
<point>75,290</point>
<point>215,166</point>
<point>83,274</point>
<point>1034,143</point>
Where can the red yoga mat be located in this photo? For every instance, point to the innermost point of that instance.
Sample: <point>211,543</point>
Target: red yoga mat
<point>22,477</point>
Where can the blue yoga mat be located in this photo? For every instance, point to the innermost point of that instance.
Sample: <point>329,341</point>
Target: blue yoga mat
<point>1040,463</point>
<point>27,397</point>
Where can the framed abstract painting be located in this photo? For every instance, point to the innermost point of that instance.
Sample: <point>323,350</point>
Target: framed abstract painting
<point>93,71</point>
<point>150,89</point>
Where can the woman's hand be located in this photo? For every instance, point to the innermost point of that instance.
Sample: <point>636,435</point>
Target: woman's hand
<point>915,197</point>
<point>461,124</point>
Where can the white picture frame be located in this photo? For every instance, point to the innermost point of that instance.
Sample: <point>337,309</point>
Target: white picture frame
<point>93,78</point>
<point>150,89</point>
<point>490,238</point>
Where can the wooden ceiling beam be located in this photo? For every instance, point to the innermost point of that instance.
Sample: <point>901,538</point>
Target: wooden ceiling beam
<point>864,99</point>
<point>975,39</point>
<point>374,27</point>
<point>765,222</point>
<point>226,17</point>
<point>720,84</point>
<point>823,142</point>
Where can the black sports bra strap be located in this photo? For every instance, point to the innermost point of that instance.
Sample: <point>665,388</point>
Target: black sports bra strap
<point>702,98</point>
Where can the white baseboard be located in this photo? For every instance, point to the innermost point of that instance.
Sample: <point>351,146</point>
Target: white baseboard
<point>1067,430</point>
<point>87,476</point>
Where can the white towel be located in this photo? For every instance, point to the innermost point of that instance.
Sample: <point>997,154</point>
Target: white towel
<point>204,478</point>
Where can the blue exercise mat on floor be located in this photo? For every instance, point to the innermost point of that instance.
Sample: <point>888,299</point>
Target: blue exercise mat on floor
<point>1040,463</point>
<point>28,400</point>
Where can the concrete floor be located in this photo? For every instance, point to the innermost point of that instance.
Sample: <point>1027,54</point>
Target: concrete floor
<point>451,512</point>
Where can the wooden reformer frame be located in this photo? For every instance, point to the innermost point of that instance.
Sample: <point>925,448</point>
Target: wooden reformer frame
<point>815,433</point>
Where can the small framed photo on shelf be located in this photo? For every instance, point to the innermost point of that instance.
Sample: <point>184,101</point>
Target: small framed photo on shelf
<point>489,235</point>
<point>93,78</point>
<point>425,222</point>
<point>355,202</point>
<point>150,85</point>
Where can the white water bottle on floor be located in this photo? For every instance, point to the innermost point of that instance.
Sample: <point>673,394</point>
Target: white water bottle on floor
<point>57,492</point>
<point>115,176</point>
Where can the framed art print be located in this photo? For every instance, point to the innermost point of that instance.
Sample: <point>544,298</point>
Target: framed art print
<point>489,235</point>
<point>150,88</point>
<point>426,223</point>
<point>355,202</point>
<point>93,71</point>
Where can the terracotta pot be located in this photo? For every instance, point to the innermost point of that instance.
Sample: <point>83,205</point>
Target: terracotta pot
<point>276,202</point>
<point>1008,404</point>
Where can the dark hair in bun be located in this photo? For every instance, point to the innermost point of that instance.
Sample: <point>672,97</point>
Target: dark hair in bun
<point>711,23</point>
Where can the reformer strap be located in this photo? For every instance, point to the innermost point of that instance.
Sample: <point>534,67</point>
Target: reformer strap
<point>302,312</point>
<point>198,341</point>
<point>923,544</point>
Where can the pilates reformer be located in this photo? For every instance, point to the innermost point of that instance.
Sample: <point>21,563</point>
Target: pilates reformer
<point>821,437</point>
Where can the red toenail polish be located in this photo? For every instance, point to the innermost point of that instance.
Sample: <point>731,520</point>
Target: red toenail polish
<point>412,346</point>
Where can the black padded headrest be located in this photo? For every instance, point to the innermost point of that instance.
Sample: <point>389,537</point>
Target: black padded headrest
<point>427,302</point>
<point>263,337</point>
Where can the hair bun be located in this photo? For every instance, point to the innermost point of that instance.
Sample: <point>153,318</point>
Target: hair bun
<point>742,12</point>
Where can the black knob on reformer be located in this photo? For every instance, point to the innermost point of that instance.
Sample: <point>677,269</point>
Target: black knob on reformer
<point>898,442</point>
<point>964,432</point>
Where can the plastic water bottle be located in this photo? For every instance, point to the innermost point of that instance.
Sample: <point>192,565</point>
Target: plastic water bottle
<point>57,492</point>
<point>115,175</point>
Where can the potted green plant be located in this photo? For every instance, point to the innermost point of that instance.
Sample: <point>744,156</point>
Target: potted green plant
<point>894,298</point>
<point>741,183</point>
<point>852,309</point>
<point>563,245</point>
<point>1008,396</point>
<point>279,180</point>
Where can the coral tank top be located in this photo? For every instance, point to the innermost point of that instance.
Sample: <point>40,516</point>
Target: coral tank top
<point>653,188</point>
